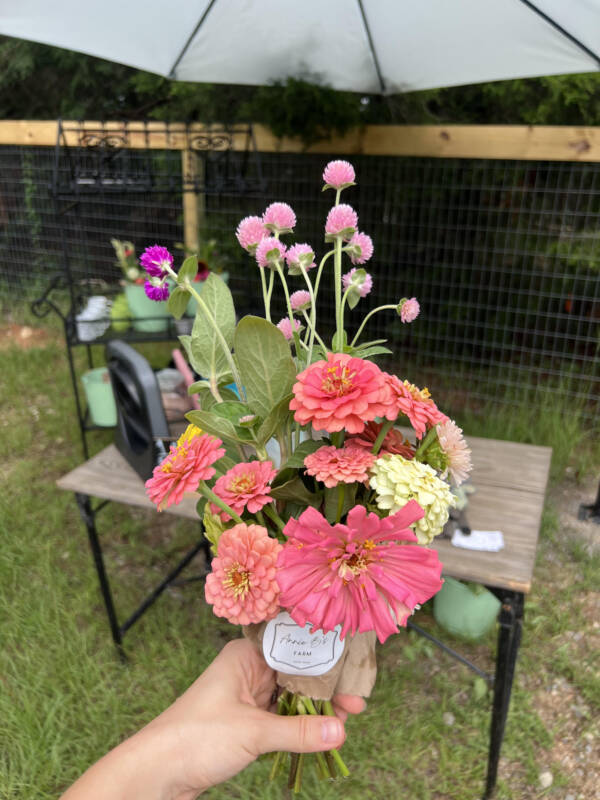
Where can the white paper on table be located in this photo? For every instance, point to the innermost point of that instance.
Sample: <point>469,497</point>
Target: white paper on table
<point>491,541</point>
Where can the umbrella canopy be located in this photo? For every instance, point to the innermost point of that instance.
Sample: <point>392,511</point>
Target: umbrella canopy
<point>358,45</point>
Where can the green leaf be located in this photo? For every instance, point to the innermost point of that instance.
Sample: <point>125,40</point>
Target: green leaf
<point>231,410</point>
<point>224,464</point>
<point>331,501</point>
<point>297,492</point>
<point>215,425</point>
<point>274,420</point>
<point>177,302</point>
<point>296,460</point>
<point>204,348</point>
<point>189,269</point>
<point>205,397</point>
<point>334,342</point>
<point>353,298</point>
<point>480,688</point>
<point>265,362</point>
<point>372,351</point>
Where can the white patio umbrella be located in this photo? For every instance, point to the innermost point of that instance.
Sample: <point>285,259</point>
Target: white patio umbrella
<point>359,45</point>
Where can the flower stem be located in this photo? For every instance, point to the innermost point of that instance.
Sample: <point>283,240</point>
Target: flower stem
<point>370,314</point>
<point>337,277</point>
<point>274,516</point>
<point>263,282</point>
<point>316,335</point>
<point>328,709</point>
<point>289,309</point>
<point>210,495</point>
<point>341,487</point>
<point>427,441</point>
<point>313,313</point>
<point>385,428</point>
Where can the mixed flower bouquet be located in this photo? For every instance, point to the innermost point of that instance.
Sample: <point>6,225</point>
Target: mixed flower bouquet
<point>318,508</point>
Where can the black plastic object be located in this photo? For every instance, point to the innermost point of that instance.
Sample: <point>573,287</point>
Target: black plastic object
<point>141,420</point>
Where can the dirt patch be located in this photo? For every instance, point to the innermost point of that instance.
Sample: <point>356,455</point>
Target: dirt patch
<point>25,337</point>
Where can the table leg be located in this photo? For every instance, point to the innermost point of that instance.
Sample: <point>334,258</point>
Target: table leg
<point>89,517</point>
<point>509,639</point>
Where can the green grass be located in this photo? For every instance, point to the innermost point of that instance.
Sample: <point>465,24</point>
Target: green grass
<point>65,698</point>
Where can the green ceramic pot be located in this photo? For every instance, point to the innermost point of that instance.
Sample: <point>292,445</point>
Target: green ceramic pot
<point>100,397</point>
<point>141,308</point>
<point>463,612</point>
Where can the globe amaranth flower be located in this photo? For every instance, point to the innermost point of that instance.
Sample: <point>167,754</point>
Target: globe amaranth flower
<point>157,261</point>
<point>415,403</point>
<point>333,465</point>
<point>456,451</point>
<point>341,221</point>
<point>300,256</point>
<point>188,462</point>
<point>408,309</point>
<point>360,248</point>
<point>359,279</point>
<point>360,574</point>
<point>300,300</point>
<point>393,442</point>
<point>396,481</point>
<point>242,585</point>
<point>285,326</point>
<point>245,486</point>
<point>156,291</point>
<point>338,175</point>
<point>341,393</point>
<point>269,252</point>
<point>249,233</point>
<point>279,218</point>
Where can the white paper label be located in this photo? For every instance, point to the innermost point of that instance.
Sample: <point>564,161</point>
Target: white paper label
<point>492,541</point>
<point>296,651</point>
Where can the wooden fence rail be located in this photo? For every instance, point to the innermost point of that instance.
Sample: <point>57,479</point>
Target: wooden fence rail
<point>518,142</point>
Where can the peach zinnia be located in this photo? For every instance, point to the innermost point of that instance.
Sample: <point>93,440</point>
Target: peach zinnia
<point>188,462</point>
<point>341,393</point>
<point>415,403</point>
<point>242,586</point>
<point>333,465</point>
<point>245,486</point>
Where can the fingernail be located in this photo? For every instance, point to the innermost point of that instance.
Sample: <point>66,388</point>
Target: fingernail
<point>331,730</point>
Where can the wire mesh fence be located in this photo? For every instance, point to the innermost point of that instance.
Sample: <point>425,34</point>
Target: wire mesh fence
<point>504,256</point>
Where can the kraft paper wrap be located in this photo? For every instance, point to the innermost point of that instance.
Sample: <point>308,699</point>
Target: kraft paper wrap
<point>354,673</point>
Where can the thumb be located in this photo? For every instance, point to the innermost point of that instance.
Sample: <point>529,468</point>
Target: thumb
<point>301,734</point>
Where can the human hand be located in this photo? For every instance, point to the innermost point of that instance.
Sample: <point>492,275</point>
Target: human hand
<point>215,729</point>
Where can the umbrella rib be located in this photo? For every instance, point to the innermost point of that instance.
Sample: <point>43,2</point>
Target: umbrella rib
<point>562,30</point>
<point>371,46</point>
<point>191,37</point>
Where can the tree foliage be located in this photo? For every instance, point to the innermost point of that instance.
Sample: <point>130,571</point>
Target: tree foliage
<point>42,82</point>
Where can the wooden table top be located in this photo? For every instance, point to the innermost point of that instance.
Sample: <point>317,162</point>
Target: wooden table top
<point>510,481</point>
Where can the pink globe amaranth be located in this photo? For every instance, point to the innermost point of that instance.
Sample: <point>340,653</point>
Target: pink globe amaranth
<point>244,487</point>
<point>242,586</point>
<point>342,221</point>
<point>300,300</point>
<point>285,326</point>
<point>409,309</point>
<point>270,251</point>
<point>341,393</point>
<point>363,248</point>
<point>300,255</point>
<point>364,286</point>
<point>279,218</point>
<point>249,233</point>
<point>155,260</point>
<point>339,174</point>
<point>360,575</point>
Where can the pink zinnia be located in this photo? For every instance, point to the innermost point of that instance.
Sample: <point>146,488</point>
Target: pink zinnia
<point>188,462</point>
<point>342,220</point>
<point>242,586</point>
<point>341,393</point>
<point>300,300</point>
<point>155,261</point>
<point>269,251</point>
<point>409,309</point>
<point>293,257</point>
<point>338,174</point>
<point>364,286</point>
<point>454,447</point>
<point>358,574</point>
<point>333,465</point>
<point>415,403</point>
<point>363,245</point>
<point>394,442</point>
<point>279,217</point>
<point>249,233</point>
<point>285,326</point>
<point>245,486</point>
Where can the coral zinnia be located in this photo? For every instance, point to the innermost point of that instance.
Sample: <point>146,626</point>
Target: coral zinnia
<point>341,393</point>
<point>242,585</point>
<point>357,574</point>
<point>245,486</point>
<point>456,451</point>
<point>334,465</point>
<point>394,441</point>
<point>415,403</point>
<point>188,462</point>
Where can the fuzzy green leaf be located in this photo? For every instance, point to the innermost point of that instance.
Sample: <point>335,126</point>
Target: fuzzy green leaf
<point>297,492</point>
<point>189,269</point>
<point>177,302</point>
<point>331,501</point>
<point>296,460</point>
<point>274,420</point>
